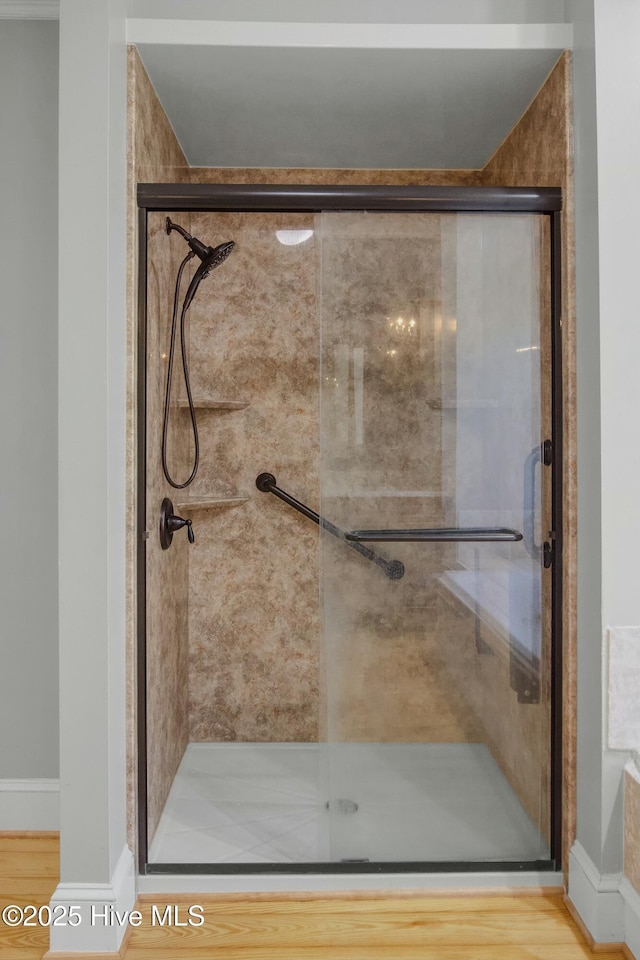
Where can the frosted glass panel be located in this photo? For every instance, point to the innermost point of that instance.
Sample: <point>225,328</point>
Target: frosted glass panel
<point>433,412</point>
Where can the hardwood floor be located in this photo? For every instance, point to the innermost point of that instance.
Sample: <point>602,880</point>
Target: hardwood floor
<point>505,926</point>
<point>29,865</point>
<point>467,927</point>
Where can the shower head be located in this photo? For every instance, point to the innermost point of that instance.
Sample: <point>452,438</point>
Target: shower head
<point>211,258</point>
<point>216,256</point>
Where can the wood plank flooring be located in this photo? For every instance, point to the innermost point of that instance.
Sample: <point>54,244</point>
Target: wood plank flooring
<point>507,926</point>
<point>29,867</point>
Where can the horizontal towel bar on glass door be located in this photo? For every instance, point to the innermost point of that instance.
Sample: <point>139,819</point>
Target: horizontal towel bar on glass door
<point>435,534</point>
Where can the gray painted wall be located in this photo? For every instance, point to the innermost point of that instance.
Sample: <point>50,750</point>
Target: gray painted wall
<point>92,453</point>
<point>28,399</point>
<point>605,84</point>
<point>589,803</point>
<point>617,69</point>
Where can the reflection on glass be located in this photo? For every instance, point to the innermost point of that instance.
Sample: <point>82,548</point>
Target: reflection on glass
<point>433,415</point>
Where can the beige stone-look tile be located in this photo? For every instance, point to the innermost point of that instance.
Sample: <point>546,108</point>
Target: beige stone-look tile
<point>253,581</point>
<point>167,570</point>
<point>158,155</point>
<point>153,153</point>
<point>539,152</point>
<point>328,176</point>
<point>380,294</point>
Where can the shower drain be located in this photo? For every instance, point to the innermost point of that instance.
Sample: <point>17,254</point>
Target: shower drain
<point>342,806</point>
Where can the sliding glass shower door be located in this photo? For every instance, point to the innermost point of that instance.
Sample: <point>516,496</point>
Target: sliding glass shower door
<point>402,715</point>
<point>436,607</point>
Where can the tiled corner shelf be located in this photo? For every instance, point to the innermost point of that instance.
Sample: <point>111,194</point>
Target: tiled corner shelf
<point>204,502</point>
<point>210,503</point>
<point>203,403</point>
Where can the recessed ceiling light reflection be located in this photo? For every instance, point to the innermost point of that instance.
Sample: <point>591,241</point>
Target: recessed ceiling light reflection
<point>291,238</point>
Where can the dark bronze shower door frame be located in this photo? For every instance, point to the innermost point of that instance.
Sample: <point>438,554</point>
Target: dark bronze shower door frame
<point>250,198</point>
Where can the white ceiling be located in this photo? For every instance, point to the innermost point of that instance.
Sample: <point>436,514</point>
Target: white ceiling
<point>355,11</point>
<point>354,108</point>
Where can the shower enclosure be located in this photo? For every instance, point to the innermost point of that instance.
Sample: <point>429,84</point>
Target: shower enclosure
<point>356,665</point>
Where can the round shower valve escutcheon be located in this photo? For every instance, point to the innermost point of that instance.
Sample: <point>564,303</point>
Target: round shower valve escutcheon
<point>170,523</point>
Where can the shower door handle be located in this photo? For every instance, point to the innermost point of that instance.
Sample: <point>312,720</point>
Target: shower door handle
<point>436,534</point>
<point>529,505</point>
<point>541,454</point>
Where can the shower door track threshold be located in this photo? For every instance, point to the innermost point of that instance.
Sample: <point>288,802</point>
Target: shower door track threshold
<point>513,867</point>
<point>312,885</point>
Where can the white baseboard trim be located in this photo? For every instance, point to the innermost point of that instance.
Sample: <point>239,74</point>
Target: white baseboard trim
<point>596,897</point>
<point>29,10</point>
<point>631,899</point>
<point>102,908</point>
<point>29,805</point>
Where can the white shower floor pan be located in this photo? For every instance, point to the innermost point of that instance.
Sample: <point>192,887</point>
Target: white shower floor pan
<point>267,803</point>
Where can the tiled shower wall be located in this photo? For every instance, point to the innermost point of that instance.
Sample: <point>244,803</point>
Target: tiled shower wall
<point>254,609</point>
<point>167,570</point>
<point>253,571</point>
<point>153,154</point>
<point>539,152</point>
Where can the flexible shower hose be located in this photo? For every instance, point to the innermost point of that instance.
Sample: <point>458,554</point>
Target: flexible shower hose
<point>185,368</point>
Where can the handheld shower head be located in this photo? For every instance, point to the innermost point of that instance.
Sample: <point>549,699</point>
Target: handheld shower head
<point>215,257</point>
<point>211,258</point>
<point>218,254</point>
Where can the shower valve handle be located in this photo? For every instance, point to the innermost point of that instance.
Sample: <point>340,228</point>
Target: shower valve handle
<point>170,523</point>
<point>176,523</point>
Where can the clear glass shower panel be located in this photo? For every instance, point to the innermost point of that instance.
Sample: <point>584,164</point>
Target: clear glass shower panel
<point>435,404</point>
